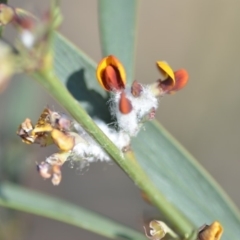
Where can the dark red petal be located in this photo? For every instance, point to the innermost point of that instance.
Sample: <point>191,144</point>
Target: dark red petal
<point>125,105</point>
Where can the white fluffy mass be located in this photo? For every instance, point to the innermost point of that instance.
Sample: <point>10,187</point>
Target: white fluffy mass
<point>142,105</point>
<point>91,150</point>
<point>128,126</point>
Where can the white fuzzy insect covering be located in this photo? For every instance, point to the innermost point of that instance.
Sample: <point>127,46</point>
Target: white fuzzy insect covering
<point>128,125</point>
<point>92,151</point>
<point>142,106</point>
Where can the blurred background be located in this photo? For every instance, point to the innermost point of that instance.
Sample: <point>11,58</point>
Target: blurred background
<point>201,36</point>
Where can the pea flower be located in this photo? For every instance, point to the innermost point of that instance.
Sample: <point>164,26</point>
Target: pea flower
<point>132,106</point>
<point>111,74</point>
<point>171,81</point>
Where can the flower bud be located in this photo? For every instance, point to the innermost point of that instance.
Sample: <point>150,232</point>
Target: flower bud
<point>158,230</point>
<point>125,105</point>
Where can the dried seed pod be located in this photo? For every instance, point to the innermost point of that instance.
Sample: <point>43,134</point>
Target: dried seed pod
<point>111,74</point>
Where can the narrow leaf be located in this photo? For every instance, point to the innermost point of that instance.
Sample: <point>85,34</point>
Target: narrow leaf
<point>117,22</point>
<point>174,171</point>
<point>19,198</point>
<point>184,181</point>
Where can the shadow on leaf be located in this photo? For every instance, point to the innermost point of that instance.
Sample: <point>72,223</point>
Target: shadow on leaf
<point>95,102</point>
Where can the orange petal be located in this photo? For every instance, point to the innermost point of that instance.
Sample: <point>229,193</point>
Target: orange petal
<point>181,79</point>
<point>125,105</point>
<point>111,74</point>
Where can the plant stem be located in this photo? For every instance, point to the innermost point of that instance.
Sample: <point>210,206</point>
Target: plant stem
<point>178,221</point>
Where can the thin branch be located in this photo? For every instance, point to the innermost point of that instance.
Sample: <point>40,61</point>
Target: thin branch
<point>52,84</point>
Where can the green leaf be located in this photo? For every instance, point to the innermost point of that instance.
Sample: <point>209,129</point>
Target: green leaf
<point>173,170</point>
<point>76,78</point>
<point>19,198</point>
<point>117,22</point>
<point>184,181</point>
<point>175,173</point>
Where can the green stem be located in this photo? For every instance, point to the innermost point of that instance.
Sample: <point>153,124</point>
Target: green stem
<point>178,221</point>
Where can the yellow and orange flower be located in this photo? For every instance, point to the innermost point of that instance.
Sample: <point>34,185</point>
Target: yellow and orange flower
<point>112,77</point>
<point>171,81</point>
<point>111,74</point>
